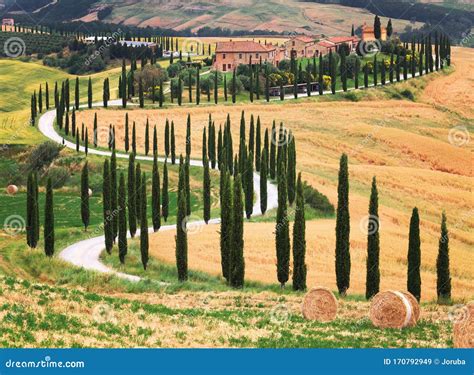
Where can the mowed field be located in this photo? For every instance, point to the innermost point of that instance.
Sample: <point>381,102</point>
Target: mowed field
<point>405,144</point>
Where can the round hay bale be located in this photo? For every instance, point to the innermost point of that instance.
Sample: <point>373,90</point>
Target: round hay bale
<point>392,309</point>
<point>414,304</point>
<point>320,304</point>
<point>12,189</point>
<point>464,328</point>
<point>90,192</point>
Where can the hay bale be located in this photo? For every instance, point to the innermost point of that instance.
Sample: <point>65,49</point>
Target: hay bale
<point>464,328</point>
<point>319,304</point>
<point>414,304</point>
<point>392,309</point>
<point>12,189</point>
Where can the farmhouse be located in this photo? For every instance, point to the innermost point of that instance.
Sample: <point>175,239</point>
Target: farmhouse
<point>231,54</point>
<point>305,46</point>
<point>369,35</point>
<point>8,22</point>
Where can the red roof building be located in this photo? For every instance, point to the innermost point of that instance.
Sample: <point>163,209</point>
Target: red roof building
<point>231,54</point>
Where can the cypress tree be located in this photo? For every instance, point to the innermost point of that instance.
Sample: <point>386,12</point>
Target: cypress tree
<point>77,141</point>
<point>282,230</point>
<point>366,76</point>
<point>85,196</point>
<point>113,191</point>
<point>343,72</point>
<point>251,148</point>
<point>155,196</point>
<point>46,96</point>
<point>391,68</point>
<point>122,218</point>
<point>198,88</point>
<point>162,95</point>
<point>212,145</point>
<point>383,73</point>
<point>32,212</point>
<point>49,220</point>
<point>372,282</point>
<point>155,141</point>
<point>237,263</point>
<point>263,182</point>
<point>106,93</point>
<point>291,169</point>
<point>190,86</point>
<point>397,67</point>
<point>188,187</point>
<point>266,146</point>
<point>107,208</point>
<point>226,222</point>
<point>414,256</point>
<point>181,234</point>
<point>375,71</point>
<point>134,139</point>
<point>86,143</point>
<point>127,140</point>
<point>165,196</point>
<point>96,132</point>
<point>225,87</point>
<point>234,87</point>
<point>143,224</point>
<point>273,152</point>
<point>40,99</point>
<point>443,281</point>
<point>132,218</point>
<point>320,77</point>
<point>147,137</point>
<point>180,91</point>
<point>267,84</point>
<point>258,145</point>
<point>138,191</point>
<point>123,85</point>
<point>216,88</point>
<point>167,138</point>
<point>89,93</point>
<point>173,145</point>
<point>188,136</point>
<point>299,240</point>
<point>206,191</point>
<point>343,260</point>
<point>249,193</point>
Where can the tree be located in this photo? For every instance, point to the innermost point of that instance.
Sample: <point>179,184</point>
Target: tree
<point>106,93</point>
<point>249,193</point>
<point>162,95</point>
<point>46,96</point>
<point>134,139</point>
<point>113,192</point>
<point>49,220</point>
<point>389,28</point>
<point>356,72</point>
<point>143,224</point>
<point>123,86</point>
<point>85,196</point>
<point>107,208</point>
<point>188,137</point>
<point>282,229</point>
<point>320,77</point>
<point>226,222</point>
<point>138,191</point>
<point>273,152</point>
<point>167,138</point>
<point>96,131</point>
<point>258,145</point>
<point>32,218</point>
<point>263,182</point>
<point>414,256</point>
<point>76,93</point>
<point>237,263</point>
<point>173,145</point>
<point>343,71</point>
<point>86,143</point>
<point>343,259</point>
<point>181,234</point>
<point>147,137</point>
<point>375,70</point>
<point>443,281</point>
<point>216,88</point>
<point>372,282</point>
<point>377,28</point>
<point>155,196</point>
<point>198,87</point>
<point>299,240</point>
<point>155,141</point>
<point>187,186</point>
<point>291,169</point>
<point>206,191</point>
<point>141,99</point>
<point>165,196</point>
<point>204,146</point>
<point>89,93</point>
<point>122,218</point>
<point>352,30</point>
<point>132,218</point>
<point>127,139</point>
<point>234,87</point>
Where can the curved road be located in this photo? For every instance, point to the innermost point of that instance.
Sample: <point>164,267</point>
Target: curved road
<point>86,253</point>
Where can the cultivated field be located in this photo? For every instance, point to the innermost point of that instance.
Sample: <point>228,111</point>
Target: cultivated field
<point>405,144</point>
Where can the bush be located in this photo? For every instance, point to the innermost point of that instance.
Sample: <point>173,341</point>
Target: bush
<point>352,96</point>
<point>59,176</point>
<point>408,94</point>
<point>43,155</point>
<point>317,201</point>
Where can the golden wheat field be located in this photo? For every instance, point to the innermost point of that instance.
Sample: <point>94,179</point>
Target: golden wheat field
<point>418,150</point>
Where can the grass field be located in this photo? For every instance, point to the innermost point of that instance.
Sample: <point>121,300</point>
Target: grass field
<point>404,143</point>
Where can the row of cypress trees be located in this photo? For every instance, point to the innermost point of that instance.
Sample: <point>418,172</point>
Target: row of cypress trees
<point>343,260</point>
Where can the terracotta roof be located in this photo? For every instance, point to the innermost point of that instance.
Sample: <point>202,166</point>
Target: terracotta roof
<point>342,39</point>
<point>325,43</point>
<point>243,46</point>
